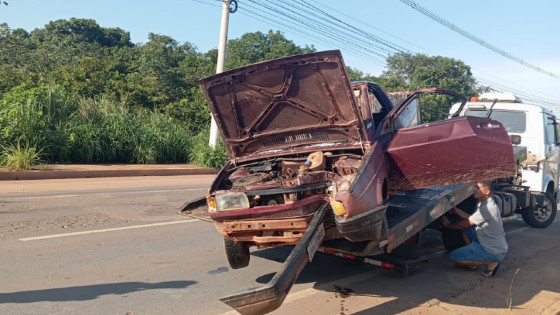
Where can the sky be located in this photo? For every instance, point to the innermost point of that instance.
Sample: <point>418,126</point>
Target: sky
<point>527,30</point>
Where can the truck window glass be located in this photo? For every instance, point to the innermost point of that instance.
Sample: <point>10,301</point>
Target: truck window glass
<point>375,105</point>
<point>512,121</point>
<point>549,129</point>
<point>408,117</point>
<point>358,97</point>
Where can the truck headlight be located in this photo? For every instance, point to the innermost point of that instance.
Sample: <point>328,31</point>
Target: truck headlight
<point>232,201</point>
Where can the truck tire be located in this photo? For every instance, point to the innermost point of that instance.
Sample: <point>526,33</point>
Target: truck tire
<point>237,253</point>
<point>542,213</point>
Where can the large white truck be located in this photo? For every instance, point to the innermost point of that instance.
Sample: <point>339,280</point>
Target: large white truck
<point>533,127</point>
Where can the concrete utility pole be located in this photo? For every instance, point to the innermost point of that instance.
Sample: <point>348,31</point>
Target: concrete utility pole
<point>214,136</point>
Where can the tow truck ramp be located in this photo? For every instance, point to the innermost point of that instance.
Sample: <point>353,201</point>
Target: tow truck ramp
<point>267,298</point>
<point>408,213</point>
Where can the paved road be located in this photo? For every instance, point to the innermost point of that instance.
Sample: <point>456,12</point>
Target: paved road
<point>116,246</point>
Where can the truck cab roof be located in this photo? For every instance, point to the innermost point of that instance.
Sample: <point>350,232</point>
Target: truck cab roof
<point>504,101</point>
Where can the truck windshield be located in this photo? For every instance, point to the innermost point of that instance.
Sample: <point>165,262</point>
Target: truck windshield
<point>512,121</point>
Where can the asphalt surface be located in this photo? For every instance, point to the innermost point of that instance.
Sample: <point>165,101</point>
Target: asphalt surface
<point>117,246</point>
<point>63,171</point>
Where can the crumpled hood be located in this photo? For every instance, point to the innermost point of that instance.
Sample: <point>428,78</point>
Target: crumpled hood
<point>285,103</point>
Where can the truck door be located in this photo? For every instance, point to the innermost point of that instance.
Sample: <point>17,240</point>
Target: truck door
<point>551,153</point>
<point>452,151</point>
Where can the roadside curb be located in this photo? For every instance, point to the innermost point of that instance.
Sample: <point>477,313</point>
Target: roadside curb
<point>62,174</point>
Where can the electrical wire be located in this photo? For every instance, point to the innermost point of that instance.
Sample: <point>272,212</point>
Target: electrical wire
<point>312,37</point>
<point>303,19</point>
<point>320,31</point>
<point>312,22</point>
<point>475,39</point>
<point>371,26</point>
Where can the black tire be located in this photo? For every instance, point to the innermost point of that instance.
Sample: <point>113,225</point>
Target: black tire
<point>543,212</point>
<point>452,239</point>
<point>237,254</point>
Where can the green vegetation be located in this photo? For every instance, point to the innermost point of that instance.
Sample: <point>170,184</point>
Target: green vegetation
<point>204,155</point>
<point>19,157</point>
<point>75,92</point>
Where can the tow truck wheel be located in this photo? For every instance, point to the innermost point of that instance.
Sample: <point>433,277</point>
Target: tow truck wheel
<point>542,213</point>
<point>237,253</point>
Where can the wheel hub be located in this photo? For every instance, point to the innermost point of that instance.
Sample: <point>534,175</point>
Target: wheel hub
<point>542,213</point>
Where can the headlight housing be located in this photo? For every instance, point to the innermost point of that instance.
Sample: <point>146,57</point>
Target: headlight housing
<point>232,201</point>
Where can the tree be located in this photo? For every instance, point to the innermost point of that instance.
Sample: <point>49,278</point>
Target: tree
<point>256,47</point>
<point>410,72</point>
<point>357,75</point>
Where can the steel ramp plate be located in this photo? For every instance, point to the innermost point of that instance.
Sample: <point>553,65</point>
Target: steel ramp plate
<point>269,297</point>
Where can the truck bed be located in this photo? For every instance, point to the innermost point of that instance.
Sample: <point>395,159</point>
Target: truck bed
<point>408,212</point>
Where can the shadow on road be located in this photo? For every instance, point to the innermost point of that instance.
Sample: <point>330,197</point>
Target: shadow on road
<point>526,280</point>
<point>88,292</point>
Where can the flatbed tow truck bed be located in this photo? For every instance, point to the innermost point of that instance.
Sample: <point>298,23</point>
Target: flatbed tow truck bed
<point>408,213</point>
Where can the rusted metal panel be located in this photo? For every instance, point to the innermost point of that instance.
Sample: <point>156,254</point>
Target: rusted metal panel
<point>458,150</point>
<point>266,225</point>
<point>285,103</point>
<point>300,207</point>
<point>277,116</point>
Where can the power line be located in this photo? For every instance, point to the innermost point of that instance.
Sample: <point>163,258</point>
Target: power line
<point>524,95</point>
<point>320,30</point>
<point>272,15</point>
<point>310,36</point>
<point>301,18</point>
<point>371,26</point>
<point>353,28</point>
<point>475,39</point>
<point>545,96</point>
<point>312,21</point>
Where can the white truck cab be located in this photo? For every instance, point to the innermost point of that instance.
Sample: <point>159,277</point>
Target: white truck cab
<point>535,128</point>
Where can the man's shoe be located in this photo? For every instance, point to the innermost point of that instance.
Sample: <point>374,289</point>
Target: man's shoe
<point>491,272</point>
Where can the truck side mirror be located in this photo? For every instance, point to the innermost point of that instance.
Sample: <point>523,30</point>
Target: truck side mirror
<point>515,139</point>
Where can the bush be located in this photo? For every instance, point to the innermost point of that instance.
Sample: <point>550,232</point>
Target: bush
<point>94,130</point>
<point>204,155</point>
<point>19,158</point>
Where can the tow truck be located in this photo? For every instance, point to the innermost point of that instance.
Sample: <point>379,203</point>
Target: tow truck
<point>323,164</point>
<point>408,213</point>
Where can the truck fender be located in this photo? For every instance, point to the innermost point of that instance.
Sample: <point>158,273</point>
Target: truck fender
<point>546,182</point>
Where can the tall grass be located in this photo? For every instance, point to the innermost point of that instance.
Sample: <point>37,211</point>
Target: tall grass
<point>97,130</point>
<point>202,154</point>
<point>18,157</point>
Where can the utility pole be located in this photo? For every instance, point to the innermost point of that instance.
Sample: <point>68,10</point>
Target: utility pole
<point>226,10</point>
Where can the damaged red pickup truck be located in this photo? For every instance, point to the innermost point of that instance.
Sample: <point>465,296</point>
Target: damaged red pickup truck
<point>299,134</point>
<point>309,150</point>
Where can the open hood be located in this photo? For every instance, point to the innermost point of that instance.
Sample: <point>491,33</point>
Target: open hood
<point>285,103</point>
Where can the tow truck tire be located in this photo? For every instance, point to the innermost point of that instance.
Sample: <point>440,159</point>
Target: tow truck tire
<point>237,254</point>
<point>543,213</point>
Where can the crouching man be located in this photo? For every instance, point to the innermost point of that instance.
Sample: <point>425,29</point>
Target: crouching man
<point>484,230</point>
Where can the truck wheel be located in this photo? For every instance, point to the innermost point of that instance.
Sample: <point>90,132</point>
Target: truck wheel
<point>542,213</point>
<point>237,253</point>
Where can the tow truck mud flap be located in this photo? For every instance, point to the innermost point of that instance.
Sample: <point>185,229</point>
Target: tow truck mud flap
<point>269,297</point>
